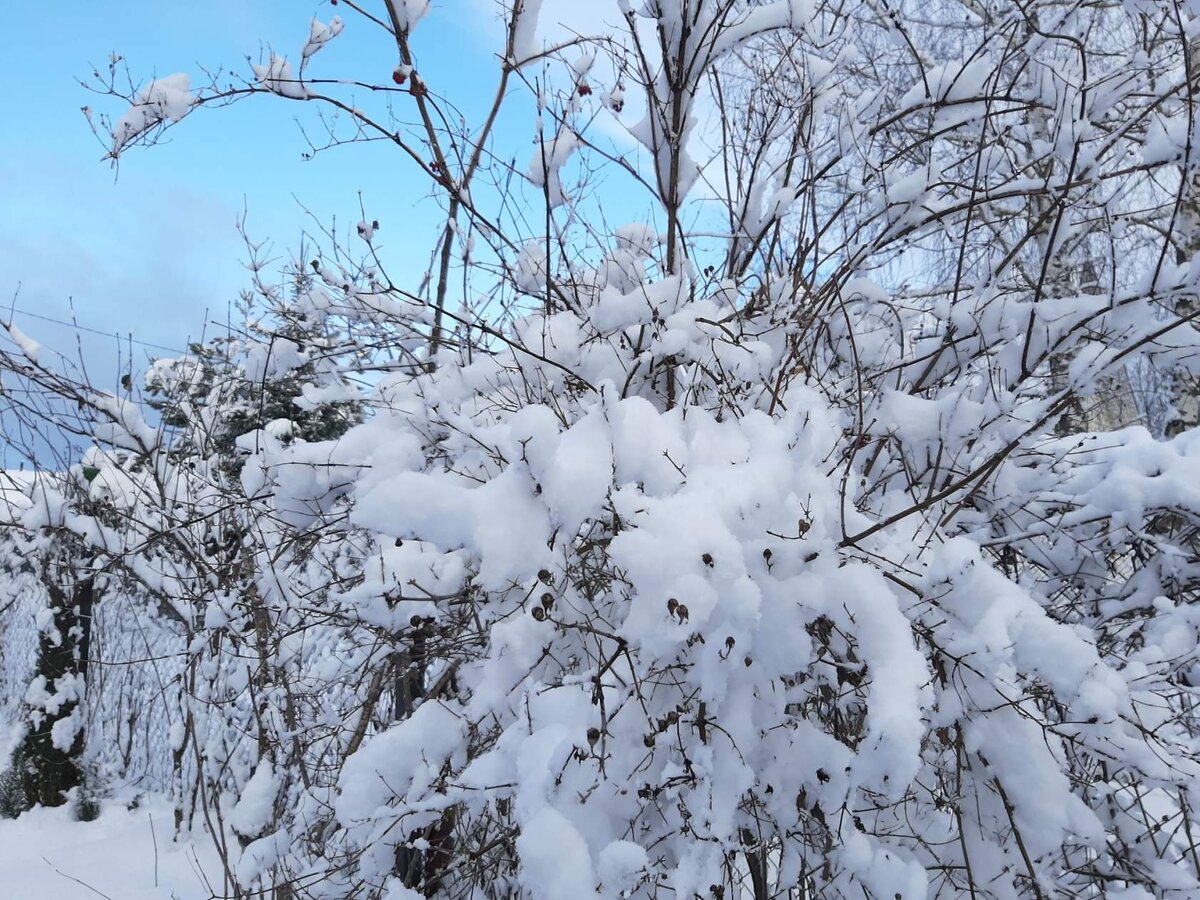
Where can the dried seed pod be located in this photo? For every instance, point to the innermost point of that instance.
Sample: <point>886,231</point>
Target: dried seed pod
<point>538,613</point>
<point>672,605</point>
<point>707,560</point>
<point>544,576</point>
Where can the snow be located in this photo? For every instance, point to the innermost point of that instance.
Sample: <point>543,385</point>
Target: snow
<point>125,426</point>
<point>408,12</point>
<point>278,78</point>
<point>525,30</point>
<point>320,34</point>
<point>619,865</point>
<point>950,81</point>
<point>403,760</point>
<point>126,853</point>
<point>555,862</point>
<point>548,159</point>
<point>27,345</point>
<point>162,100</point>
<point>530,272</point>
<point>255,807</point>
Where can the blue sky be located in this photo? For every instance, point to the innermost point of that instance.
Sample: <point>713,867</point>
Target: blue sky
<point>150,249</point>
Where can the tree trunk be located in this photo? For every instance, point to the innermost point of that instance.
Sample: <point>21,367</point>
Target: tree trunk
<point>51,754</point>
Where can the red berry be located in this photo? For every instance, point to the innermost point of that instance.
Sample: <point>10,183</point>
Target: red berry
<point>584,89</point>
<point>399,77</point>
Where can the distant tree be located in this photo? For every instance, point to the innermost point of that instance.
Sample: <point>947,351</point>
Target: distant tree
<point>51,569</point>
<point>50,756</point>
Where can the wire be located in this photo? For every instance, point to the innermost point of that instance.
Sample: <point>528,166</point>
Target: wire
<point>78,327</point>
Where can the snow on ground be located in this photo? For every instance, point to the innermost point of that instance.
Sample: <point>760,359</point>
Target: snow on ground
<point>48,855</point>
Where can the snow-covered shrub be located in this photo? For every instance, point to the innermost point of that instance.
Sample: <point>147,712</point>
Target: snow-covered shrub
<point>758,547</point>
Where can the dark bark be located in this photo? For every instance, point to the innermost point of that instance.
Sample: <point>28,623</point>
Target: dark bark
<point>419,870</point>
<point>49,772</point>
